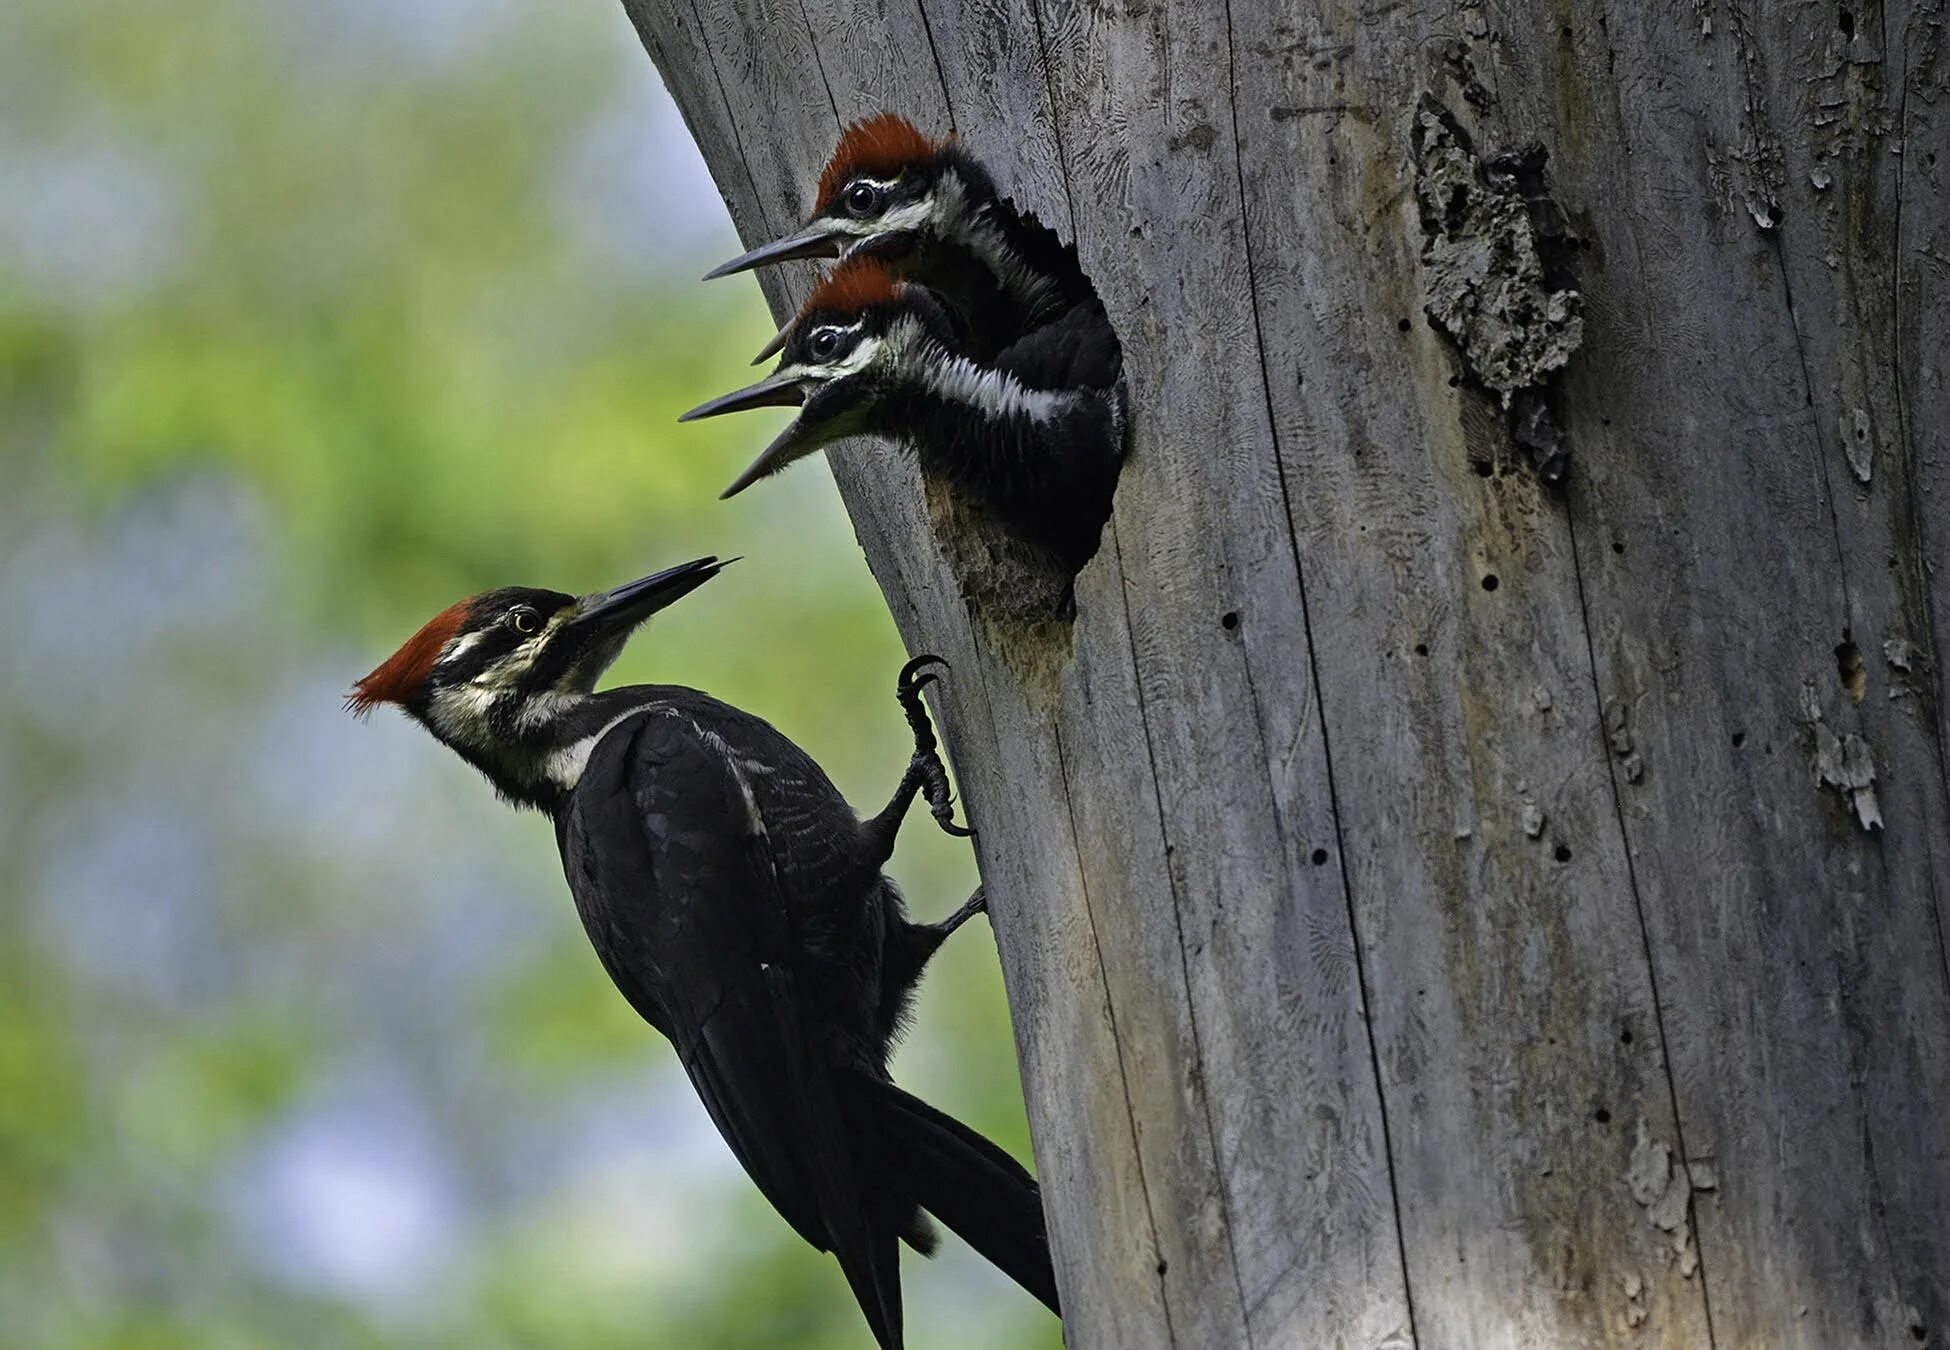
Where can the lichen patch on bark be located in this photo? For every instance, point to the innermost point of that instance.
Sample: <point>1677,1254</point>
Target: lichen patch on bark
<point>1483,275</point>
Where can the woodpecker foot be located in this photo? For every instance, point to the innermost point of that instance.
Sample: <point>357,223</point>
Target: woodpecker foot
<point>977,903</point>
<point>926,765</point>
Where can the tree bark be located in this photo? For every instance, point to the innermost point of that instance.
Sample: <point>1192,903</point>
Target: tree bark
<point>1440,907</point>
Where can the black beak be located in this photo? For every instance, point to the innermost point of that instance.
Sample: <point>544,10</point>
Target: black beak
<point>796,442</point>
<point>776,345</point>
<point>811,242</point>
<point>613,613</point>
<point>777,390</point>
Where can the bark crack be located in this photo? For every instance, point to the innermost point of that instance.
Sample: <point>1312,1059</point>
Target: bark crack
<point>812,44</point>
<point>1055,122</point>
<point>730,114</point>
<point>940,71</point>
<point>1911,476</point>
<point>1313,669</point>
<point>1110,530</point>
<point>1224,1177</point>
<point>1821,441</point>
<point>1116,1040</point>
<point>1638,909</point>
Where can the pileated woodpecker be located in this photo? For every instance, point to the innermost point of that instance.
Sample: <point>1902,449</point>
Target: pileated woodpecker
<point>739,905</point>
<point>1037,435</point>
<point>931,212</point>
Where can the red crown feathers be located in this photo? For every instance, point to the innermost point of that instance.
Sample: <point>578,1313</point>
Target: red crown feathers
<point>881,145</point>
<point>852,286</point>
<point>399,677</point>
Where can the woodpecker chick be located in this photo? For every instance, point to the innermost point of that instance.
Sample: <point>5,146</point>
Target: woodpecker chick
<point>738,904</point>
<point>1036,436</point>
<point>931,213</point>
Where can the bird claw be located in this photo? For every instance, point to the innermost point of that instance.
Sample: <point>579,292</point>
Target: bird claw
<point>927,759</point>
<point>908,671</point>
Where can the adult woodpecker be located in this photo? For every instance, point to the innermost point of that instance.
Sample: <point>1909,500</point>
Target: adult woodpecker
<point>931,212</point>
<point>738,904</point>
<point>1036,435</point>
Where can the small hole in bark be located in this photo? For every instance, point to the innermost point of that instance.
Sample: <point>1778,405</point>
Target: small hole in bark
<point>1602,1116</point>
<point>1918,1332</point>
<point>1421,649</point>
<point>1618,546</point>
<point>1739,739</point>
<point>1565,32</point>
<point>1625,1036</point>
<point>1484,468</point>
<point>1163,1265</point>
<point>1403,325</point>
<point>1848,668</point>
<point>1229,620</point>
<point>1489,581</point>
<point>1320,857</point>
<point>1454,380</point>
<point>1847,20</point>
<point>1562,853</point>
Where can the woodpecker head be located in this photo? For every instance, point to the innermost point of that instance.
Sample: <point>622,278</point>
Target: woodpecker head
<point>861,331</point>
<point>886,182</point>
<point>498,677</point>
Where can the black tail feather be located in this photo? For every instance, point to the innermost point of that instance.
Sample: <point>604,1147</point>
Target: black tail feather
<point>973,1187</point>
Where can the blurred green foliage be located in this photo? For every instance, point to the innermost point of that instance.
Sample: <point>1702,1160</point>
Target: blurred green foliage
<point>313,318</point>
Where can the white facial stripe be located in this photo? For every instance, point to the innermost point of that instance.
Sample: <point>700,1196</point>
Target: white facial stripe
<point>960,380</point>
<point>461,713</point>
<point>859,358</point>
<point>907,216</point>
<point>510,668</point>
<point>462,645</point>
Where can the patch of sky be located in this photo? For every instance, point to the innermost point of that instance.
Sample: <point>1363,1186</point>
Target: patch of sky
<point>87,222</point>
<point>633,191</point>
<point>349,1195</point>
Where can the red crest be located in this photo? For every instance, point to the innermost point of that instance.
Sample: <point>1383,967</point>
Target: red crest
<point>852,286</point>
<point>881,145</point>
<point>399,677</point>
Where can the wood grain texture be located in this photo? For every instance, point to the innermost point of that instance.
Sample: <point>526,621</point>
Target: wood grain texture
<point>1424,919</point>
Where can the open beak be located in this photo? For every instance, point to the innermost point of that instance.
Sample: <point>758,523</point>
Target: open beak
<point>811,242</point>
<point>801,437</point>
<point>780,389</point>
<point>776,345</point>
<point>612,614</point>
<point>796,442</point>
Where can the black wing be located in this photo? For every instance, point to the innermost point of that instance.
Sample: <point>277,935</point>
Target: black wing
<point>666,854</point>
<point>1077,349</point>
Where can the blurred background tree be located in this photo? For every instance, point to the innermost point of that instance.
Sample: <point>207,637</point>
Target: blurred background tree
<point>314,318</point>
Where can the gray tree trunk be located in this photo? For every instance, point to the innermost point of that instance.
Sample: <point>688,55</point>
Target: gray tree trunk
<point>1441,907</point>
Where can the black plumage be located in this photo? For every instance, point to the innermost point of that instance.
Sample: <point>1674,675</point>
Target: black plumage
<point>1036,436</point>
<point>999,270</point>
<point>739,904</point>
<point>1047,468</point>
<point>700,848</point>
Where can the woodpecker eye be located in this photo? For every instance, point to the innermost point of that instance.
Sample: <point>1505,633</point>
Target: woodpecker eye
<point>523,619</point>
<point>824,344</point>
<point>862,199</point>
